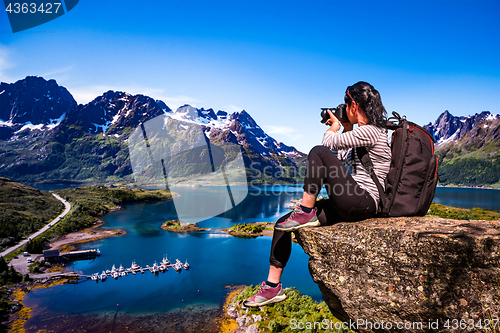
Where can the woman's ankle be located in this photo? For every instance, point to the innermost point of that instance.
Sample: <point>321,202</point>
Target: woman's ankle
<point>305,209</point>
<point>308,200</point>
<point>272,284</point>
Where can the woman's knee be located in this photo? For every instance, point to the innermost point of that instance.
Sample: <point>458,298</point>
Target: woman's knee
<point>318,150</point>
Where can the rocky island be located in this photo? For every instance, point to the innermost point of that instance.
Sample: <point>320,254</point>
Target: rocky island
<point>178,226</point>
<point>251,230</point>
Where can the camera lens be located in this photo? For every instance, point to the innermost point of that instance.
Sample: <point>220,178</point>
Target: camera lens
<point>324,115</point>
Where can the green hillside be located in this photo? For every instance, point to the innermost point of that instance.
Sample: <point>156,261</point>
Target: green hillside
<point>89,202</point>
<point>24,210</point>
<point>474,160</point>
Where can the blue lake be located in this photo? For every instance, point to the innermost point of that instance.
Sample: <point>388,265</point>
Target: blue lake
<point>217,260</point>
<point>468,197</point>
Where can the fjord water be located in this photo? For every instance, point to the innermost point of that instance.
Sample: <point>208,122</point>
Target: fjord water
<point>468,197</point>
<point>217,260</point>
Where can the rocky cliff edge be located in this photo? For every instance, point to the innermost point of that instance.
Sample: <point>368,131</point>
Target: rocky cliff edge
<point>408,270</point>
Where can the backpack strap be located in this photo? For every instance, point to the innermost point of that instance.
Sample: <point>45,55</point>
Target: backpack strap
<point>395,121</point>
<point>396,116</point>
<point>368,164</point>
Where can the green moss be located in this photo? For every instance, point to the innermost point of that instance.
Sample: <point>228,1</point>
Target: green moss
<point>461,213</point>
<point>248,228</point>
<point>297,310</point>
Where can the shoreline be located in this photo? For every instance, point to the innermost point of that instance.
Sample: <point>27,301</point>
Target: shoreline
<point>226,323</point>
<point>470,187</point>
<point>63,243</point>
<point>66,243</point>
<point>191,318</point>
<point>17,319</point>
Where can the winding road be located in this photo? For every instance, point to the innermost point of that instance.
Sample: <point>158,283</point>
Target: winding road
<point>67,208</point>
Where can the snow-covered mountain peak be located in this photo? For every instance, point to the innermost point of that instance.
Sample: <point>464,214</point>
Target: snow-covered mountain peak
<point>448,128</point>
<point>201,116</point>
<point>241,126</point>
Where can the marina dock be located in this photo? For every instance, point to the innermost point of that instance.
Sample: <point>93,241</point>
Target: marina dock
<point>55,256</point>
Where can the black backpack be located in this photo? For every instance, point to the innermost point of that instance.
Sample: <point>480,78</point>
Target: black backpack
<point>411,182</point>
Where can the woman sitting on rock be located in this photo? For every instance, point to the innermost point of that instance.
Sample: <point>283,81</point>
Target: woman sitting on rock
<point>353,196</point>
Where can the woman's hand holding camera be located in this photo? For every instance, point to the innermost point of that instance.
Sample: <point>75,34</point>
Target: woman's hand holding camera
<point>335,124</point>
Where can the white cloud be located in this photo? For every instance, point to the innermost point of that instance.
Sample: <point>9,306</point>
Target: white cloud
<point>283,131</point>
<point>60,74</point>
<point>175,102</point>
<point>5,64</point>
<point>280,130</point>
<point>232,108</point>
<point>83,95</point>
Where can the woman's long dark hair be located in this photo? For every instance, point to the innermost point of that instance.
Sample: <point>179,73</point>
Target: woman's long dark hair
<point>368,98</point>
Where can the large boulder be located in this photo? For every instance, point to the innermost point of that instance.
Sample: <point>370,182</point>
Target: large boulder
<point>410,271</point>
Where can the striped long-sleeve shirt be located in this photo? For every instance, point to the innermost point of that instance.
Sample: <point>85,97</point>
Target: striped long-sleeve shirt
<point>376,143</point>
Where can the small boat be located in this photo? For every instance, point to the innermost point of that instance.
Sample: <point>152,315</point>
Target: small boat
<point>114,275</point>
<point>122,273</point>
<point>156,269</point>
<point>165,261</point>
<point>103,276</point>
<point>177,266</point>
<point>134,266</point>
<point>94,277</point>
<point>97,252</point>
<point>113,269</point>
<point>121,269</point>
<point>186,265</point>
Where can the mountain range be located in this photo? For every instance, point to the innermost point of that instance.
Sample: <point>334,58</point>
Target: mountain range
<point>45,136</point>
<point>468,148</point>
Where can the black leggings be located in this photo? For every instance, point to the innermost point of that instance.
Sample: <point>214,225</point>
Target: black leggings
<point>347,202</point>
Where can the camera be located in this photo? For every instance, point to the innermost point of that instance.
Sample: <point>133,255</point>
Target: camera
<point>339,112</point>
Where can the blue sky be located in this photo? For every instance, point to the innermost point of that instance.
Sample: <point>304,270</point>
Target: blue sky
<point>279,60</point>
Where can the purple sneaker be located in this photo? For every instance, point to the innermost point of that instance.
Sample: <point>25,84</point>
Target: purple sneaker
<point>298,219</point>
<point>266,295</point>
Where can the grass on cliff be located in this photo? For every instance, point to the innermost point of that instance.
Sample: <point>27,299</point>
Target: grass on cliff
<point>462,213</point>
<point>297,312</point>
